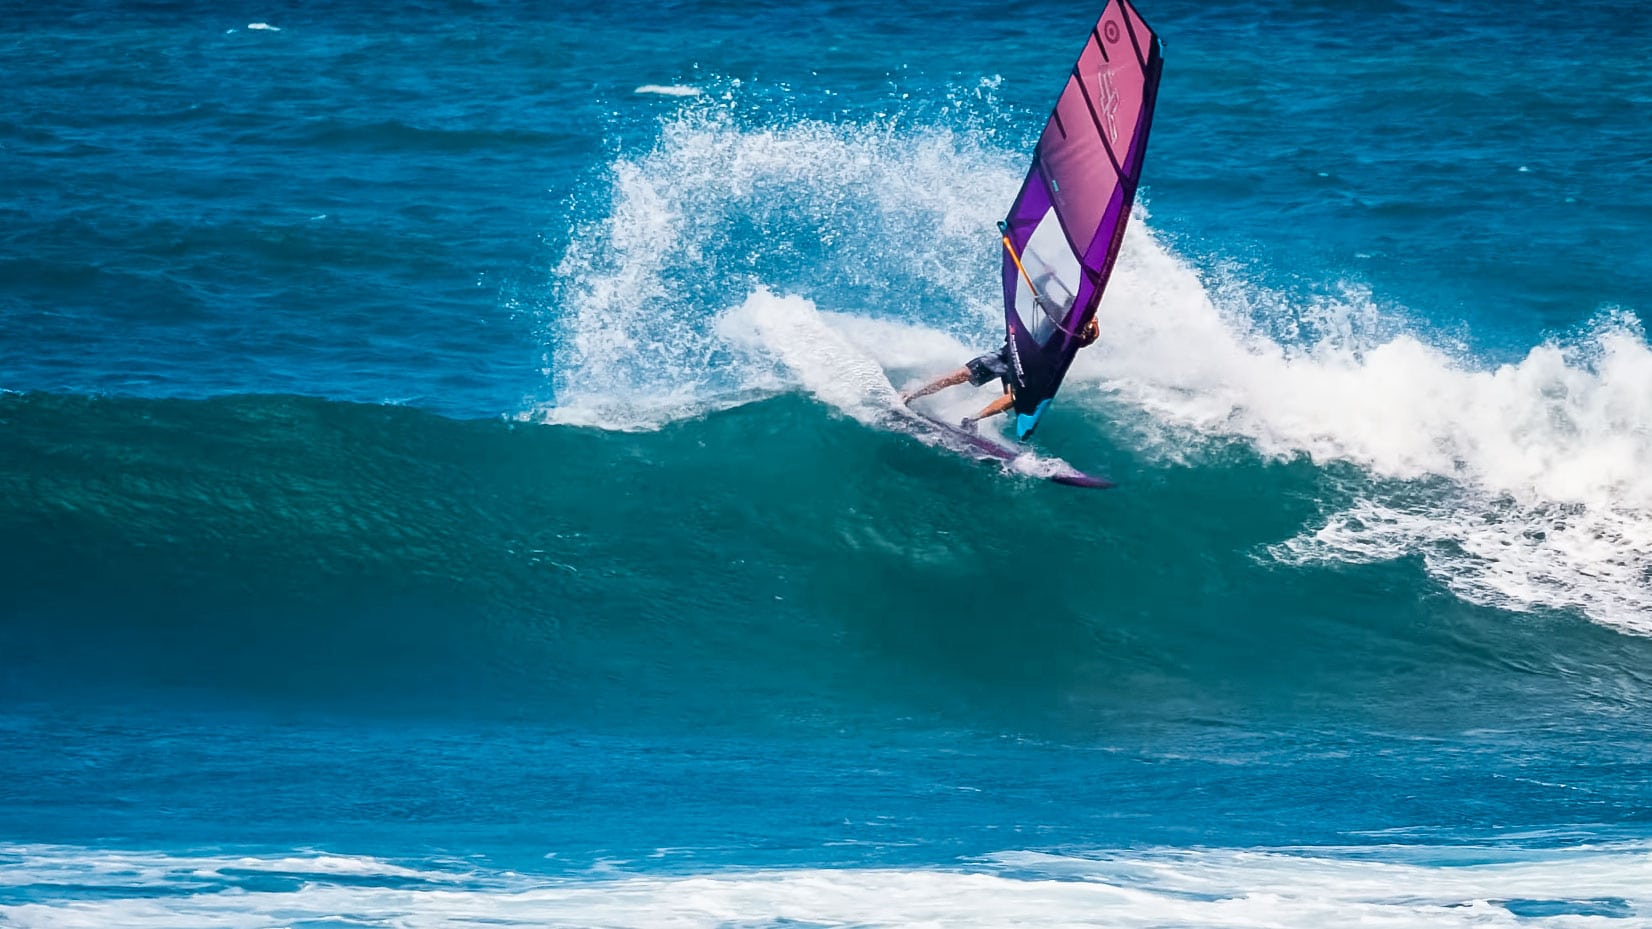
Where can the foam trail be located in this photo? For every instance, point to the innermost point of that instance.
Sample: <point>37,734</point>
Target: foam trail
<point>1395,887</point>
<point>841,359</point>
<point>827,363</point>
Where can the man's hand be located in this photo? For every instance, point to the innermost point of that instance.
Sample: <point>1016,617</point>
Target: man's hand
<point>1090,332</point>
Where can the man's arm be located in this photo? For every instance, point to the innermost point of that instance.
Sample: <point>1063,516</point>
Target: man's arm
<point>957,377</point>
<point>992,409</point>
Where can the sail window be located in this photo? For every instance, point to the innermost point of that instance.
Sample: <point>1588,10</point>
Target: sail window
<point>1055,271</point>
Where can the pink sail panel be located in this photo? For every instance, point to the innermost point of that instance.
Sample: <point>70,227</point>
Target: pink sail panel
<point>1088,148</point>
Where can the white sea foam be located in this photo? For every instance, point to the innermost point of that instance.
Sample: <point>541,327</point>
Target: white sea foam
<point>1389,887</point>
<point>638,291</point>
<point>1524,485</point>
<point>825,361</point>
<point>28,864</point>
<point>669,90</point>
<point>263,27</point>
<point>844,360</point>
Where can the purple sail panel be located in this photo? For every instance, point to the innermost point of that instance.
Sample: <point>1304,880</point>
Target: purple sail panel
<point>1068,221</point>
<point>1077,167</point>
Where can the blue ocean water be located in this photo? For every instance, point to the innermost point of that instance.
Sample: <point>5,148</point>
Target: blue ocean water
<point>440,481</point>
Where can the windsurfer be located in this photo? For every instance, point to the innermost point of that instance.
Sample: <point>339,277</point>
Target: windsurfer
<point>983,368</point>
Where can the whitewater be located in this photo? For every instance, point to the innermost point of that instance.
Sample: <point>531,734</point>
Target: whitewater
<point>1286,887</point>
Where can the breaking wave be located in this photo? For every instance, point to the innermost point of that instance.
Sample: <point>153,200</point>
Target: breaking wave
<point>1522,485</point>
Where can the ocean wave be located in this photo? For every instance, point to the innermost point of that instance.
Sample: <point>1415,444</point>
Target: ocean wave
<point>1522,485</point>
<point>387,558</point>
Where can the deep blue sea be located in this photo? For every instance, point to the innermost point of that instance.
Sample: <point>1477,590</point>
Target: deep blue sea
<point>444,478</point>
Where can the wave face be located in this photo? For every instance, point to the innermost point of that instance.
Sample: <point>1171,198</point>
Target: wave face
<point>773,586</point>
<point>524,559</point>
<point>446,473</point>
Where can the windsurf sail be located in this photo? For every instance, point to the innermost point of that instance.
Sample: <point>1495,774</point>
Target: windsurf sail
<point>1063,231</point>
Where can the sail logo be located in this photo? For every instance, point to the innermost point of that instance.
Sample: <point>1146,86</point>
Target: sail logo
<point>1109,105</point>
<point>1111,31</point>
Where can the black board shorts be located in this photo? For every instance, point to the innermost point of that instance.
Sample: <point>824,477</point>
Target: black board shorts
<point>988,367</point>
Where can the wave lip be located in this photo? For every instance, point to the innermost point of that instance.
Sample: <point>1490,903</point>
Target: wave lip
<point>51,887</point>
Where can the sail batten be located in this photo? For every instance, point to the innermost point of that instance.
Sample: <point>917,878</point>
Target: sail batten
<point>1083,179</point>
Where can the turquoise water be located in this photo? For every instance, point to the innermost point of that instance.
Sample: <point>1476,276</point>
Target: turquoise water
<point>441,476</point>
